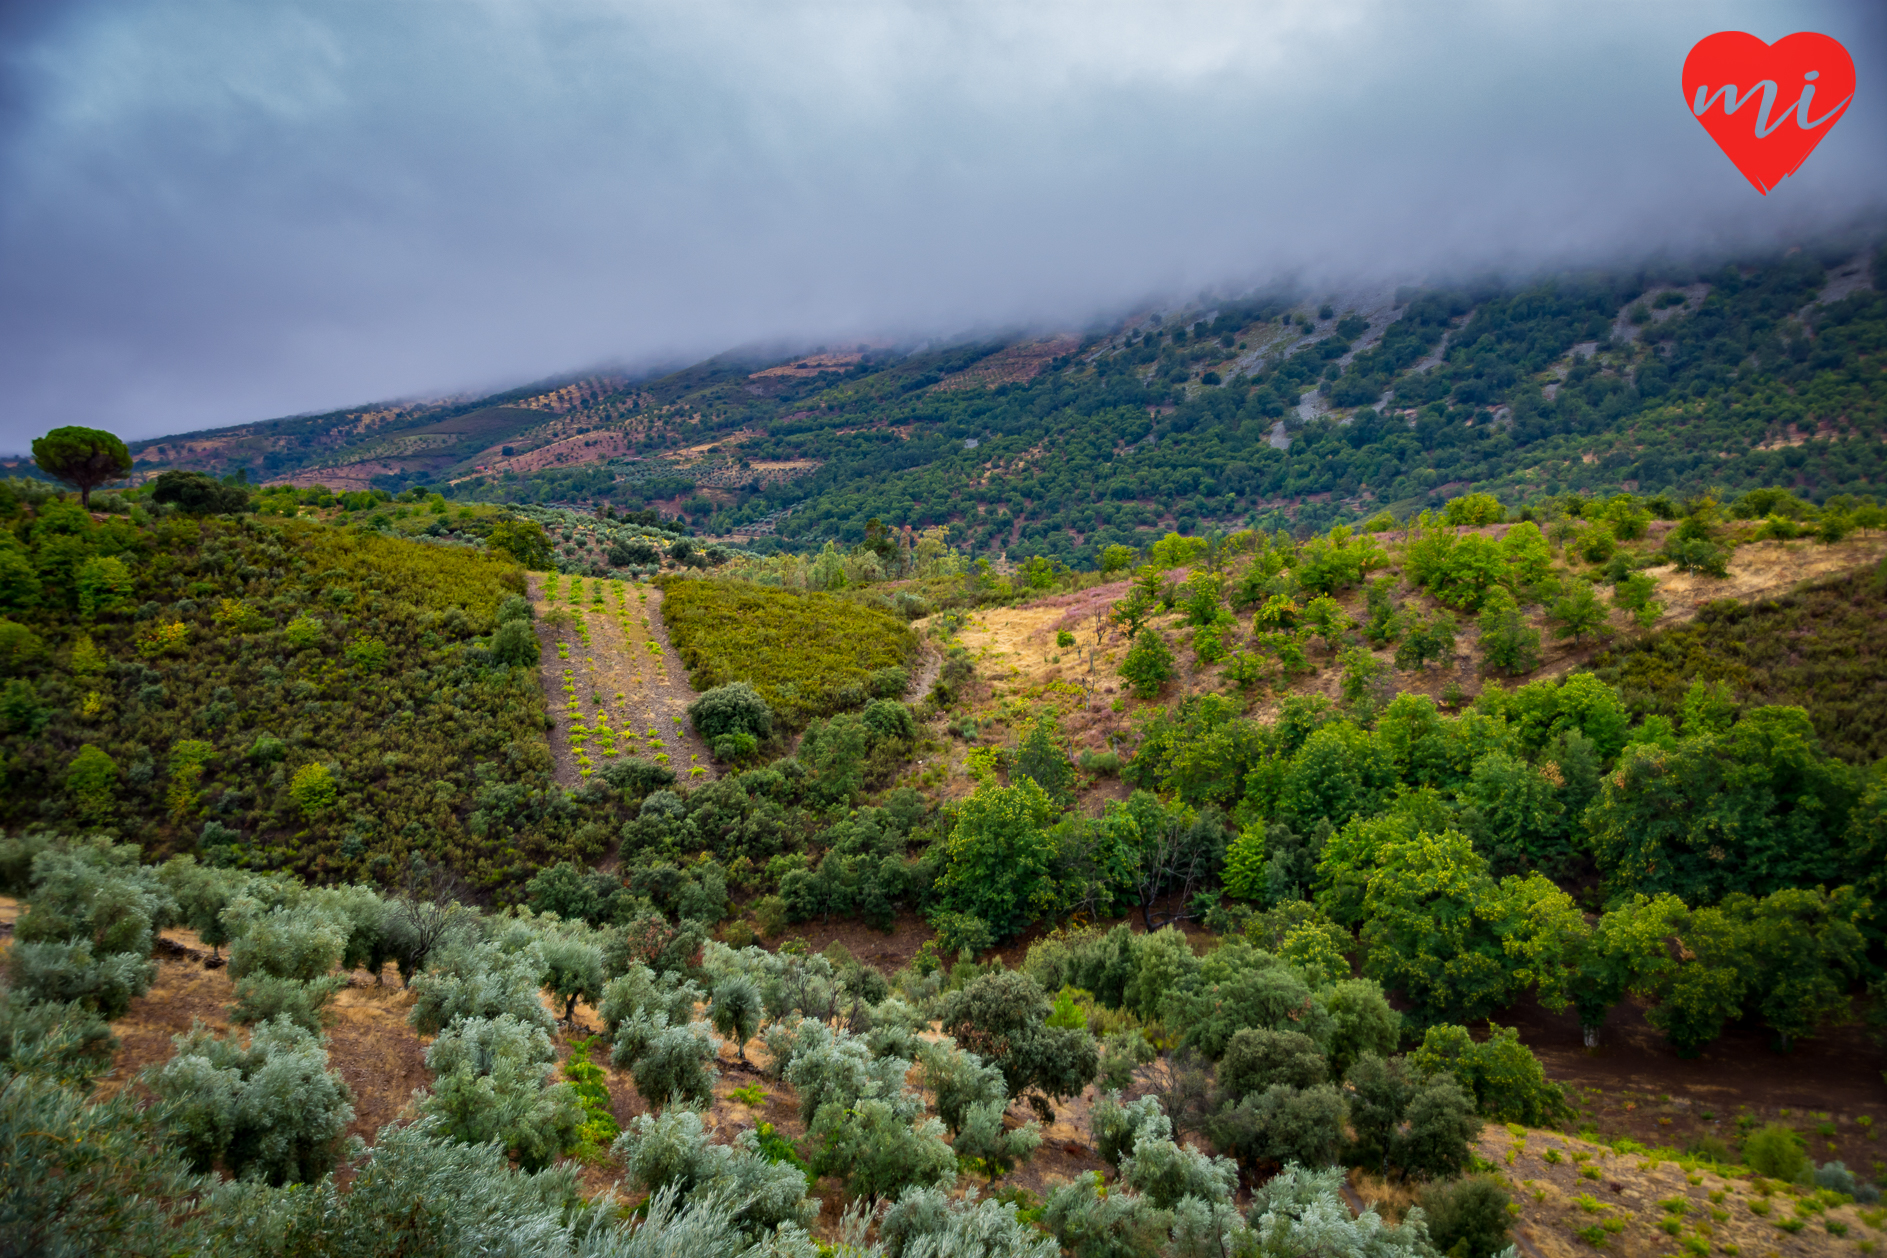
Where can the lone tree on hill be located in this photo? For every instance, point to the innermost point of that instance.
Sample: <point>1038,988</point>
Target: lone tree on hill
<point>83,458</point>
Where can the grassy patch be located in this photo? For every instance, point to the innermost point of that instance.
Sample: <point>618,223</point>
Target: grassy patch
<point>1822,648</point>
<point>808,654</point>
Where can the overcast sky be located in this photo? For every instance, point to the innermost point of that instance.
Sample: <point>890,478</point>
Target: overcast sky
<point>217,212</point>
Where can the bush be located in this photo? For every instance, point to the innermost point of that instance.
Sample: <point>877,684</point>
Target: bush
<point>1283,1124</point>
<point>515,643</point>
<point>1468,1217</point>
<point>1149,664</point>
<point>492,1084</point>
<point>480,981</point>
<point>265,997</point>
<point>735,708</point>
<point>1118,1127</point>
<point>272,1111</point>
<point>313,789</point>
<point>300,944</point>
<point>66,972</point>
<point>1441,1123</point>
<point>1004,1018</point>
<point>878,1151</point>
<point>1164,1172</point>
<point>670,1063</point>
<point>1257,1058</point>
<point>1775,1151</point>
<point>671,1151</point>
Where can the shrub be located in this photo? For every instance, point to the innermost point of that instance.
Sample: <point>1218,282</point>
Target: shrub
<point>671,1064</point>
<point>878,1150</point>
<point>1775,1151</point>
<point>515,643</point>
<point>1283,1124</point>
<point>492,1083</point>
<point>313,789</point>
<point>92,781</point>
<point>1004,1018</point>
<point>1164,1172</point>
<point>480,981</point>
<point>1441,1122</point>
<point>1257,1058</point>
<point>265,997</point>
<point>1468,1217</point>
<point>1118,1127</point>
<point>1300,1212</point>
<point>671,1152</point>
<point>1148,665</point>
<point>66,972</point>
<point>999,859</point>
<point>271,1111</point>
<point>300,944</point>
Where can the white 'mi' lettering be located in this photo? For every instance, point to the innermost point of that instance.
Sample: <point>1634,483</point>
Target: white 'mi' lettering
<point>1732,102</point>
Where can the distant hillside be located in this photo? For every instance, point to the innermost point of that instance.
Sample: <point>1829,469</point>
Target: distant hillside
<point>1278,410</point>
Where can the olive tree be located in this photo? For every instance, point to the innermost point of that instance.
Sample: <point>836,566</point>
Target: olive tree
<point>271,1110</point>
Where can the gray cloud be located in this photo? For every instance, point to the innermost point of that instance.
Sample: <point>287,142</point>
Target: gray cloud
<point>214,212</point>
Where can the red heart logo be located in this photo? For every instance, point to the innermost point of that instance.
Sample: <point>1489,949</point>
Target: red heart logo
<point>1768,105</point>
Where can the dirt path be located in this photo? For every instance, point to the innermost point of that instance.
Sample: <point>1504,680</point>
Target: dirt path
<point>613,681</point>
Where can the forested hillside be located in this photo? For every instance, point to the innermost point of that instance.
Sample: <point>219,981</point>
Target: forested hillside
<point>1273,409</point>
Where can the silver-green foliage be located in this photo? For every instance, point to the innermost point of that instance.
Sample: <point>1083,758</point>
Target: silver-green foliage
<point>1299,1212</point>
<point>480,981</point>
<point>96,892</point>
<point>420,1195</point>
<point>301,943</point>
<point>672,1151</point>
<point>925,1223</point>
<point>736,1010</point>
<point>271,1110</point>
<point>66,972</point>
<point>492,1084</point>
<point>79,1177</point>
<point>1164,1172</point>
<point>1117,1127</point>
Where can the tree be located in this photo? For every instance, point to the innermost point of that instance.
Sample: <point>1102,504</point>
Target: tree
<point>492,1083</point>
<point>272,1110</point>
<point>1003,1017</point>
<point>83,458</point>
<point>1579,612</point>
<point>197,494</point>
<point>104,587</point>
<point>729,711</point>
<point>524,541</point>
<point>671,1153</point>
<point>736,1011</point>
<point>1467,1218</point>
<point>999,860</point>
<point>1117,558</point>
<point>1327,620</point>
<point>1133,611</point>
<point>1508,643</point>
<point>1427,925</point>
<point>1041,757</point>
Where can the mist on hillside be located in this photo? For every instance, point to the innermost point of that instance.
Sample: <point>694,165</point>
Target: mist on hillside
<point>216,212</point>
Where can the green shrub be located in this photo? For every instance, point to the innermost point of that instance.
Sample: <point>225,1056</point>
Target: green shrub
<point>66,972</point>
<point>265,997</point>
<point>1467,1218</point>
<point>735,708</point>
<point>1775,1151</point>
<point>313,789</point>
<point>515,643</point>
<point>1148,665</point>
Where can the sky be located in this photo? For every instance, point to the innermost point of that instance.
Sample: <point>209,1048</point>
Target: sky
<point>213,213</point>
